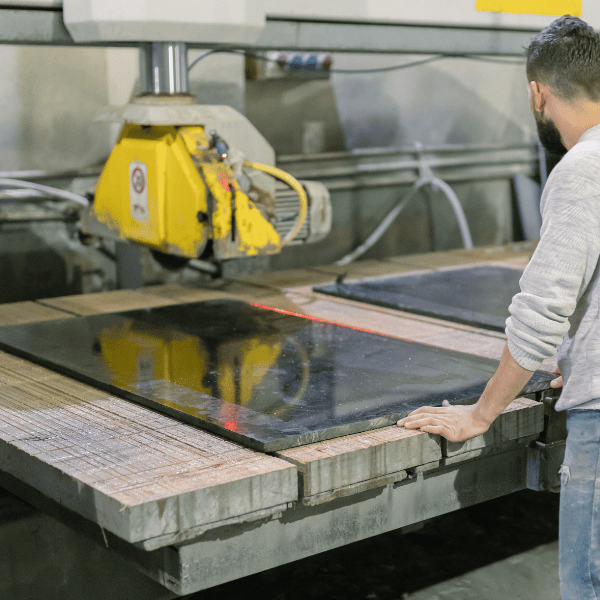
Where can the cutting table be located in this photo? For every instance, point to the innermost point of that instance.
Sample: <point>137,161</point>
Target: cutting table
<point>191,509</point>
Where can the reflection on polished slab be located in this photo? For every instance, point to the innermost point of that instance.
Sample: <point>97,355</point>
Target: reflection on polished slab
<point>477,296</point>
<point>264,377</point>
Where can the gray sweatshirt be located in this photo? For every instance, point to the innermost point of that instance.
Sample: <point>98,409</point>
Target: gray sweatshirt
<point>560,288</point>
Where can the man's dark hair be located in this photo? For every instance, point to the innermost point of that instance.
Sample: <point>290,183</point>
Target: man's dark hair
<point>566,57</point>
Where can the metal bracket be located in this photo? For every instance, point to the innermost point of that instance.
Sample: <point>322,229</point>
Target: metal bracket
<point>423,164</point>
<point>543,463</point>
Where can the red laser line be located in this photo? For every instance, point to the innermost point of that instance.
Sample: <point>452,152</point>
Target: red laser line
<point>318,320</point>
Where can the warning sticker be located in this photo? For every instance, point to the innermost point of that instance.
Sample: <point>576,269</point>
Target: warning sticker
<point>532,7</point>
<point>138,190</point>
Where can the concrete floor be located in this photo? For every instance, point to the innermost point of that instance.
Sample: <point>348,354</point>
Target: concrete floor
<point>43,559</point>
<point>531,574</point>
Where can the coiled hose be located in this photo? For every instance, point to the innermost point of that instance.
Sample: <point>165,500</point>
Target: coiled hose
<point>295,185</point>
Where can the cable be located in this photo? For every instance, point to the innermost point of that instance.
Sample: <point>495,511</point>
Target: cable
<point>423,61</point>
<point>32,175</point>
<point>63,194</point>
<point>382,227</point>
<point>295,185</point>
<point>415,63</point>
<point>197,60</point>
<point>491,59</point>
<point>391,216</point>
<point>443,187</point>
<point>21,194</point>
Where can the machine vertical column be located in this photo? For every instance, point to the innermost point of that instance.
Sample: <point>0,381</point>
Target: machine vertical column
<point>163,68</point>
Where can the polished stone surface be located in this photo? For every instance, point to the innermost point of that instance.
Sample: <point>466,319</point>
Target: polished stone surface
<point>263,377</point>
<point>477,296</point>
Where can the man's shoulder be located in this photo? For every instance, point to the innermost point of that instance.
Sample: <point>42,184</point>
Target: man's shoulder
<point>581,163</point>
<point>588,149</point>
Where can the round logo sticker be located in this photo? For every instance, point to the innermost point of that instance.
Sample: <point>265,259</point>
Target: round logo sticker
<point>138,180</point>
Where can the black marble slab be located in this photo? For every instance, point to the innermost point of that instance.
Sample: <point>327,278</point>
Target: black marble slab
<point>477,296</point>
<point>265,378</point>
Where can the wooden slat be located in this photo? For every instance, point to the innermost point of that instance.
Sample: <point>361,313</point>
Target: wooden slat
<point>18,313</point>
<point>289,279</point>
<point>216,290</point>
<point>180,293</point>
<point>431,260</point>
<point>515,263</point>
<point>365,268</point>
<point>437,260</point>
<point>335,464</point>
<point>471,342</point>
<point>106,302</point>
<point>136,473</point>
<point>355,463</point>
<point>151,297</point>
<point>509,251</point>
<point>416,328</point>
<point>521,419</point>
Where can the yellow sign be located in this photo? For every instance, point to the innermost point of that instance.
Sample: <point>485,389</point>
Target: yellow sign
<point>532,7</point>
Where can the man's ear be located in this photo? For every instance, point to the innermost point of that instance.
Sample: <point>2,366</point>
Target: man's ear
<point>537,93</point>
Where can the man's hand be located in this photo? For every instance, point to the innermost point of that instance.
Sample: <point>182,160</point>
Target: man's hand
<point>459,423</point>
<point>455,423</point>
<point>558,382</point>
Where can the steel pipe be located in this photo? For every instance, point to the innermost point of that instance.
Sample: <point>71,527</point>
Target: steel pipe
<point>163,68</point>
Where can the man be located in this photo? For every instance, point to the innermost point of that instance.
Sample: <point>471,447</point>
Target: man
<point>560,295</point>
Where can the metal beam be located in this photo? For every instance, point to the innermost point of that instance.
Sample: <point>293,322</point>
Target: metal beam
<point>45,26</point>
<point>391,38</point>
<point>33,26</point>
<point>308,531</point>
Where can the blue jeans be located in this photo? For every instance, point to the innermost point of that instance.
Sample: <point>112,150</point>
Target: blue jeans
<point>579,523</point>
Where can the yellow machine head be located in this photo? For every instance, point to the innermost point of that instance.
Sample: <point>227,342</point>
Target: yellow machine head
<point>168,188</point>
<point>172,184</point>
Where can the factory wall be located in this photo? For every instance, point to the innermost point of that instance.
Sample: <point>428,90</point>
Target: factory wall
<point>51,98</point>
<point>452,101</point>
<point>48,104</point>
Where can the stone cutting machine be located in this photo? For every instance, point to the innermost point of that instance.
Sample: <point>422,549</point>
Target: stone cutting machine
<point>186,180</point>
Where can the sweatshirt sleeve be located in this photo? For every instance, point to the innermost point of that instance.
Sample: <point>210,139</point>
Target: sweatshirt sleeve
<point>562,265</point>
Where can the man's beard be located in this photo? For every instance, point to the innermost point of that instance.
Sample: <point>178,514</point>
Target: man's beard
<point>549,135</point>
